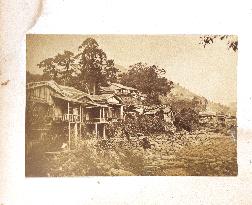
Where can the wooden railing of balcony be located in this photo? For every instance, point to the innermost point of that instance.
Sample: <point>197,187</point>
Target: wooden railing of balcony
<point>71,118</point>
<point>76,118</point>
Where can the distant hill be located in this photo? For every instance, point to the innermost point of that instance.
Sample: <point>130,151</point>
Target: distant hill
<point>181,93</point>
<point>217,107</point>
<point>30,77</point>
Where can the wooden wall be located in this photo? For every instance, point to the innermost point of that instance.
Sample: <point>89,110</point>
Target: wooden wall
<point>42,93</point>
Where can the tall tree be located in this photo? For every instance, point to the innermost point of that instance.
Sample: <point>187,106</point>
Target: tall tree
<point>59,68</point>
<point>92,61</point>
<point>50,69</point>
<point>147,79</point>
<point>110,71</point>
<point>66,65</point>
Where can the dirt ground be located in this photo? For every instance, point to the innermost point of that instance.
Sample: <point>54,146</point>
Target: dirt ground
<point>201,154</point>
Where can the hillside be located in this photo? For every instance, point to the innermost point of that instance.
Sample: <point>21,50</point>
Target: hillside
<point>219,108</point>
<point>31,77</point>
<point>181,93</point>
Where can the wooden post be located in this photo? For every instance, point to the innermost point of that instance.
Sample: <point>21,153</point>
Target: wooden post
<point>104,133</point>
<point>75,133</point>
<point>96,130</point>
<point>69,127</point>
<point>103,112</point>
<point>87,115</point>
<point>100,113</point>
<point>121,112</point>
<point>109,112</point>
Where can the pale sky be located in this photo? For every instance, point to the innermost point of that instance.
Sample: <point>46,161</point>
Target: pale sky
<point>210,71</point>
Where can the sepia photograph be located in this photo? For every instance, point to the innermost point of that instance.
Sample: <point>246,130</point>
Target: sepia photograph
<point>131,105</point>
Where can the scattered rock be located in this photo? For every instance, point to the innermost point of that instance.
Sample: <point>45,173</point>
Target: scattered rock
<point>119,172</point>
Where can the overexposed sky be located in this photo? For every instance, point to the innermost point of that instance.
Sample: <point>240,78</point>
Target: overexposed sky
<point>210,71</point>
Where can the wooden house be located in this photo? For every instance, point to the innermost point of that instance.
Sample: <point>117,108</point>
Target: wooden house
<point>164,112</point>
<point>207,117</point>
<point>118,89</point>
<point>49,102</point>
<point>114,111</point>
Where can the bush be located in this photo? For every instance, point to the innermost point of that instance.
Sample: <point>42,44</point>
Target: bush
<point>133,125</point>
<point>151,125</point>
<point>187,119</point>
<point>113,130</point>
<point>89,159</point>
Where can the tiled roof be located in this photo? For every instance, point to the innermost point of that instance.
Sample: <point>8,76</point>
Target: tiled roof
<point>103,98</point>
<point>129,100</point>
<point>123,86</point>
<point>107,89</point>
<point>70,91</point>
<point>116,86</point>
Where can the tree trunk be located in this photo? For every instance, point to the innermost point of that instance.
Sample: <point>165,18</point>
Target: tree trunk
<point>94,89</point>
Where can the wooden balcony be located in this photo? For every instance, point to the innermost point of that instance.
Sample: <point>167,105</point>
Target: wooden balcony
<point>71,118</point>
<point>87,118</point>
<point>76,118</point>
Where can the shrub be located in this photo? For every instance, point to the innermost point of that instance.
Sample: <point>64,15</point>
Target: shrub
<point>186,119</point>
<point>113,129</point>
